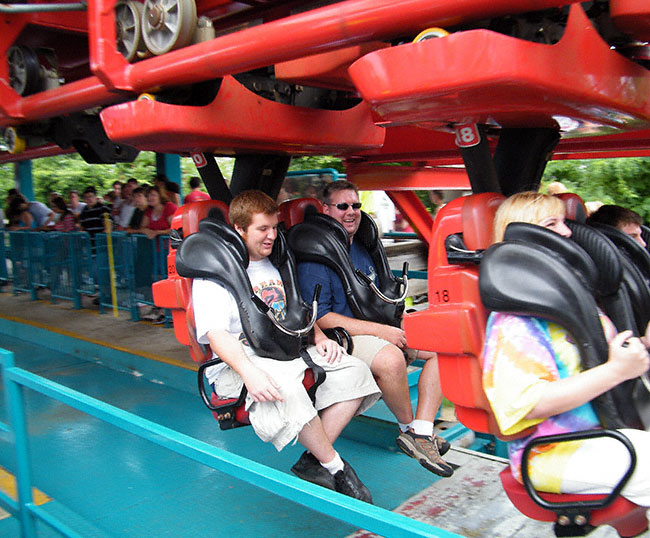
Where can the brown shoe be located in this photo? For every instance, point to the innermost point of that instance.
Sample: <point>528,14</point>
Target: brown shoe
<point>424,448</point>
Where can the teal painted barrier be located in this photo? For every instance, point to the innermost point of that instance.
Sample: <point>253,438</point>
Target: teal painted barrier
<point>327,502</point>
<point>70,266</point>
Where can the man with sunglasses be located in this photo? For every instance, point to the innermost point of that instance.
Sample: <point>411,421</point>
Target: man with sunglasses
<point>382,347</point>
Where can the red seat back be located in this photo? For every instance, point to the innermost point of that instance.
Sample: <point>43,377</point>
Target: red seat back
<point>454,323</point>
<point>575,206</point>
<point>175,292</point>
<point>293,211</point>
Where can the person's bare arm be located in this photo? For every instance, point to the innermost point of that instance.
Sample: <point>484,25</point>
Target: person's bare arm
<point>624,362</point>
<point>261,386</point>
<point>355,327</point>
<point>326,347</point>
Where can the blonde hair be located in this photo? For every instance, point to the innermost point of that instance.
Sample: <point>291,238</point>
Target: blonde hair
<point>556,187</point>
<point>530,206</point>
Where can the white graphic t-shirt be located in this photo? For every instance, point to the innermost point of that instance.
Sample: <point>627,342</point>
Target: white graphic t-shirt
<point>215,308</point>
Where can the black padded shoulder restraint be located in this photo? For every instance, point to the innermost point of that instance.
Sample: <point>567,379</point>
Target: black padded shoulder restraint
<point>536,272</point>
<point>218,252</point>
<point>321,239</point>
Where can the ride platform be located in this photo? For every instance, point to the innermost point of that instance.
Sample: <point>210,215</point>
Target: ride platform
<point>107,482</point>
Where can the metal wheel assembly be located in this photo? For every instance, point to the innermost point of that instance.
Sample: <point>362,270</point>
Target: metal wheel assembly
<point>128,28</point>
<point>430,33</point>
<point>168,24</point>
<point>24,70</point>
<point>14,142</point>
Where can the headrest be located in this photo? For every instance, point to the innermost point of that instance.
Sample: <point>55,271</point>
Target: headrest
<point>575,256</point>
<point>368,233</point>
<point>199,255</point>
<point>188,216</point>
<point>294,211</point>
<point>330,224</point>
<point>637,254</point>
<point>603,252</point>
<point>478,218</point>
<point>575,206</point>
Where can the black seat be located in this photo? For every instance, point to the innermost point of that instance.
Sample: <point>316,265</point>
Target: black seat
<point>321,239</point>
<point>530,274</point>
<point>218,252</point>
<point>536,272</point>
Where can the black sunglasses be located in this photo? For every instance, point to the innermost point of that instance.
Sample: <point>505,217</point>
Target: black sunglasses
<point>343,206</point>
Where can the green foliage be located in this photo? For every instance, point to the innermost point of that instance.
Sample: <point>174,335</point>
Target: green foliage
<point>64,173</point>
<point>317,162</point>
<point>6,179</point>
<point>624,181</point>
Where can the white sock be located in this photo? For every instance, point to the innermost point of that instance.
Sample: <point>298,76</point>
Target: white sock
<point>335,465</point>
<point>422,427</point>
<point>405,427</point>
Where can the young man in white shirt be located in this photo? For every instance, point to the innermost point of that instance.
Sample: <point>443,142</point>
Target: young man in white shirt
<point>280,409</point>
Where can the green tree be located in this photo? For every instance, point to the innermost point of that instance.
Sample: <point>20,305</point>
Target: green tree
<point>624,181</point>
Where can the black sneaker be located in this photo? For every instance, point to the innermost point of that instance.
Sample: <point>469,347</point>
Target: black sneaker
<point>309,468</point>
<point>348,483</point>
<point>424,448</point>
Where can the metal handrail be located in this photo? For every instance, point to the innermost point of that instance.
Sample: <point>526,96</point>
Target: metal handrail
<point>330,503</point>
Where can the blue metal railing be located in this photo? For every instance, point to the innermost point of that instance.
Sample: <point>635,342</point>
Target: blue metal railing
<point>70,266</point>
<point>332,504</point>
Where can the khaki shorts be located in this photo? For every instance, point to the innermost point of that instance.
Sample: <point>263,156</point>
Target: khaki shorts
<point>280,422</point>
<point>367,346</point>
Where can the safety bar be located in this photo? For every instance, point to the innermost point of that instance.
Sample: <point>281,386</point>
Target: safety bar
<point>377,291</point>
<point>363,515</point>
<point>584,506</point>
<point>291,332</point>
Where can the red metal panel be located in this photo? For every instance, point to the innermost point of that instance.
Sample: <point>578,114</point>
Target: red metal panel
<point>486,77</point>
<point>454,323</point>
<point>329,28</point>
<point>238,118</point>
<point>327,70</point>
<point>34,153</point>
<point>632,16</point>
<point>405,178</point>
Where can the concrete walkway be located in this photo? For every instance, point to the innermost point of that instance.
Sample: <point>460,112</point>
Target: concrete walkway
<point>139,338</point>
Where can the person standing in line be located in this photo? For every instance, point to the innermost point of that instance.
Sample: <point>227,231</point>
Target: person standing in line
<point>195,194</point>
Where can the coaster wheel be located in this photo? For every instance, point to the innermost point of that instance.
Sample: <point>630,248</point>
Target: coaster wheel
<point>168,24</point>
<point>14,142</point>
<point>430,33</point>
<point>128,28</point>
<point>24,69</point>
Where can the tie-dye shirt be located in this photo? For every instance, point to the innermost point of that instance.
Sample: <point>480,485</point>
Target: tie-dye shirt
<point>521,356</point>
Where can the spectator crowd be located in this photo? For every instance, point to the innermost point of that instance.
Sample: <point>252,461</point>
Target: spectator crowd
<point>130,207</point>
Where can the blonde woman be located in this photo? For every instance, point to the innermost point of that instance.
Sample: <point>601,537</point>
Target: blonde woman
<point>533,377</point>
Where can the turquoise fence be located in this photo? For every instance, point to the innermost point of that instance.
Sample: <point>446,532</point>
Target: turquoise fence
<point>69,266</point>
<point>330,503</point>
